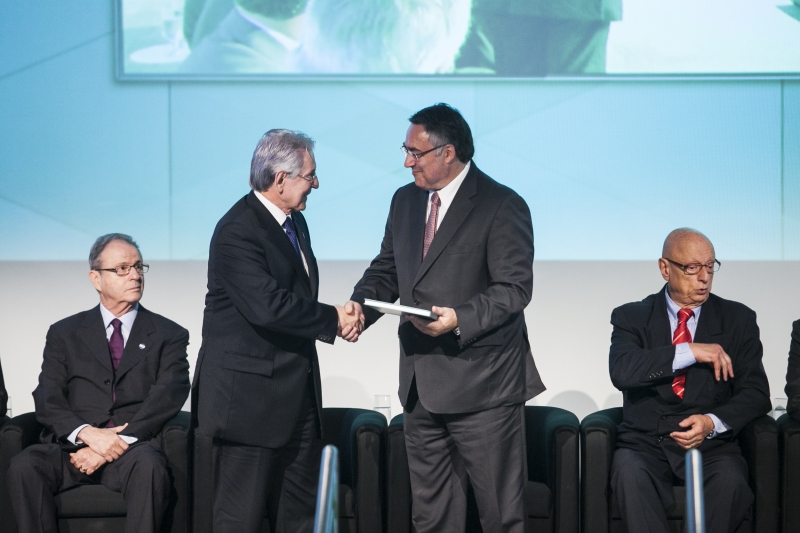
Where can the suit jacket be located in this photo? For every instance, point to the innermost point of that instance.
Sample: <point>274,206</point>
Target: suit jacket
<point>3,394</point>
<point>793,374</point>
<point>152,380</point>
<point>640,363</point>
<point>481,264</point>
<point>260,324</point>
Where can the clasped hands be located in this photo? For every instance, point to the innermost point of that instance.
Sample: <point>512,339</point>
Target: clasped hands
<point>103,446</point>
<point>351,321</point>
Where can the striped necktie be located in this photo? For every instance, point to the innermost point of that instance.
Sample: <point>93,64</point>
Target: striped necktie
<point>681,334</point>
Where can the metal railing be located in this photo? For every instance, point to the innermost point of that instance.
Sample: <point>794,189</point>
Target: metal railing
<point>326,517</point>
<point>695,504</point>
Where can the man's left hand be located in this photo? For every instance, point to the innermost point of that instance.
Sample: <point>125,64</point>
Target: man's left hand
<point>87,461</point>
<point>698,428</point>
<point>446,322</point>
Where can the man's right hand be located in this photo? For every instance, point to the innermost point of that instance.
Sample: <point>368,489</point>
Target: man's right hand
<point>713,354</point>
<point>104,441</point>
<point>351,321</point>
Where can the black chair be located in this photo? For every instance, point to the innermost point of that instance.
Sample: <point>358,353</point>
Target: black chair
<point>600,511</point>
<point>359,434</point>
<point>789,430</point>
<point>551,495</point>
<point>94,507</point>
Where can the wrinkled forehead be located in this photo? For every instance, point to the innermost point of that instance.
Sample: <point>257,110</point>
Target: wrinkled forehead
<point>692,249</point>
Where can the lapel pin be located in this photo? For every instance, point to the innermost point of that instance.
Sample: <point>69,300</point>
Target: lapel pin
<point>141,346</point>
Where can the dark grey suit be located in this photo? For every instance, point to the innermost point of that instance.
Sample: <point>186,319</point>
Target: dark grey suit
<point>793,374</point>
<point>3,394</point>
<point>257,386</point>
<point>640,363</point>
<point>480,264</point>
<point>152,383</point>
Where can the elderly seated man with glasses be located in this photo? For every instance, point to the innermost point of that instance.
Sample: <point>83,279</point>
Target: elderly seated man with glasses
<point>111,378</point>
<point>689,366</point>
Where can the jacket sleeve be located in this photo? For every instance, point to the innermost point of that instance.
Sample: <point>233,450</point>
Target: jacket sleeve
<point>243,272</point>
<point>168,394</point>
<point>631,364</point>
<point>793,374</point>
<point>51,396</point>
<point>509,257</point>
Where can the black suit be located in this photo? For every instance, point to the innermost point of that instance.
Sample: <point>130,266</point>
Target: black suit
<point>793,374</point>
<point>3,394</point>
<point>479,263</point>
<point>640,364</point>
<point>152,383</point>
<point>257,380</point>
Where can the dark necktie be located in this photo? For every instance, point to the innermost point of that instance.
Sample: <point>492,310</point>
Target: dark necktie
<point>430,227</point>
<point>116,345</point>
<point>288,226</point>
<point>681,334</point>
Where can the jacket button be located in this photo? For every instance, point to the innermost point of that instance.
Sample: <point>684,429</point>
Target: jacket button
<point>107,382</point>
<point>663,418</point>
<point>416,302</point>
<point>111,412</point>
<point>659,439</point>
<point>308,369</point>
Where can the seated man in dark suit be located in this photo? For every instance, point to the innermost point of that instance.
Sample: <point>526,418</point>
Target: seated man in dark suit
<point>111,378</point>
<point>689,365</point>
<point>793,374</point>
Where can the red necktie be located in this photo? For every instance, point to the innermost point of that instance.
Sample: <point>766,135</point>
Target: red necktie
<point>681,335</point>
<point>430,227</point>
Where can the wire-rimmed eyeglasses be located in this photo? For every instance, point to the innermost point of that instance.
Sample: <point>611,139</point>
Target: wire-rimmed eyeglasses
<point>124,270</point>
<point>417,155</point>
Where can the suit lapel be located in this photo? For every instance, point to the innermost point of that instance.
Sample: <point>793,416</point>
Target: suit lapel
<point>93,334</point>
<point>277,236</point>
<point>139,342</point>
<point>658,328</point>
<point>305,245</point>
<point>456,214</point>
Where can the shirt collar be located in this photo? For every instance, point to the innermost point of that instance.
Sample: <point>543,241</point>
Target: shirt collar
<point>673,308</point>
<point>126,319</point>
<point>277,212</point>
<point>448,192</point>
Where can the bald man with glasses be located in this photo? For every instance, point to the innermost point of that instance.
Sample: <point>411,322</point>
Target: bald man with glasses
<point>689,366</point>
<point>111,378</point>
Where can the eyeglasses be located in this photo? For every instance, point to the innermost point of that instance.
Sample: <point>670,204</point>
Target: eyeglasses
<point>310,177</point>
<point>417,155</point>
<point>693,268</point>
<point>124,270</point>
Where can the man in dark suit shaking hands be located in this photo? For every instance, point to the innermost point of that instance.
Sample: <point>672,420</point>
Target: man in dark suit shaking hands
<point>257,384</point>
<point>111,378</point>
<point>461,244</point>
<point>689,366</point>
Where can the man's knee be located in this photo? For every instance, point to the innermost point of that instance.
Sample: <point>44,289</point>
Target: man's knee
<point>629,470</point>
<point>29,464</point>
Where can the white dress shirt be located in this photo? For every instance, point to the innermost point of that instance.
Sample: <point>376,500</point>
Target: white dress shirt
<point>280,218</point>
<point>683,354</point>
<point>446,195</point>
<point>127,324</point>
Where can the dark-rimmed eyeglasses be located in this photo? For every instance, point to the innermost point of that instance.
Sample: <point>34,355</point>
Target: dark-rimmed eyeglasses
<point>693,268</point>
<point>124,270</point>
<point>417,155</point>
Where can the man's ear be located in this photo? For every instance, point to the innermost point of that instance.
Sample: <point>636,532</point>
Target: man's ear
<point>280,180</point>
<point>449,153</point>
<point>663,266</point>
<point>94,277</point>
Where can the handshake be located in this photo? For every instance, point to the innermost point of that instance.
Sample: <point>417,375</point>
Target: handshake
<point>351,321</point>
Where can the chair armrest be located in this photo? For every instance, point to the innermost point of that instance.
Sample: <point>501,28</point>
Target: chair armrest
<point>175,443</point>
<point>15,435</point>
<point>552,448</point>
<point>759,443</point>
<point>789,457</point>
<point>598,439</point>
<point>360,436</point>
<point>398,480</point>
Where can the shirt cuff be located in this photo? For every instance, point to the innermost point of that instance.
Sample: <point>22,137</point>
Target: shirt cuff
<point>683,357</point>
<point>719,426</point>
<point>73,437</point>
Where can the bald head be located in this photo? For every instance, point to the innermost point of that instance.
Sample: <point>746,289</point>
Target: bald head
<point>681,237</point>
<point>687,247</point>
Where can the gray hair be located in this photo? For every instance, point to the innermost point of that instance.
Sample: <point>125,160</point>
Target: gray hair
<point>278,150</point>
<point>103,241</point>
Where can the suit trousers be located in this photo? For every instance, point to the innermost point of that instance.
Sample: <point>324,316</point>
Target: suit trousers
<point>251,483</point>
<point>642,483</point>
<point>446,451</point>
<point>42,470</point>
